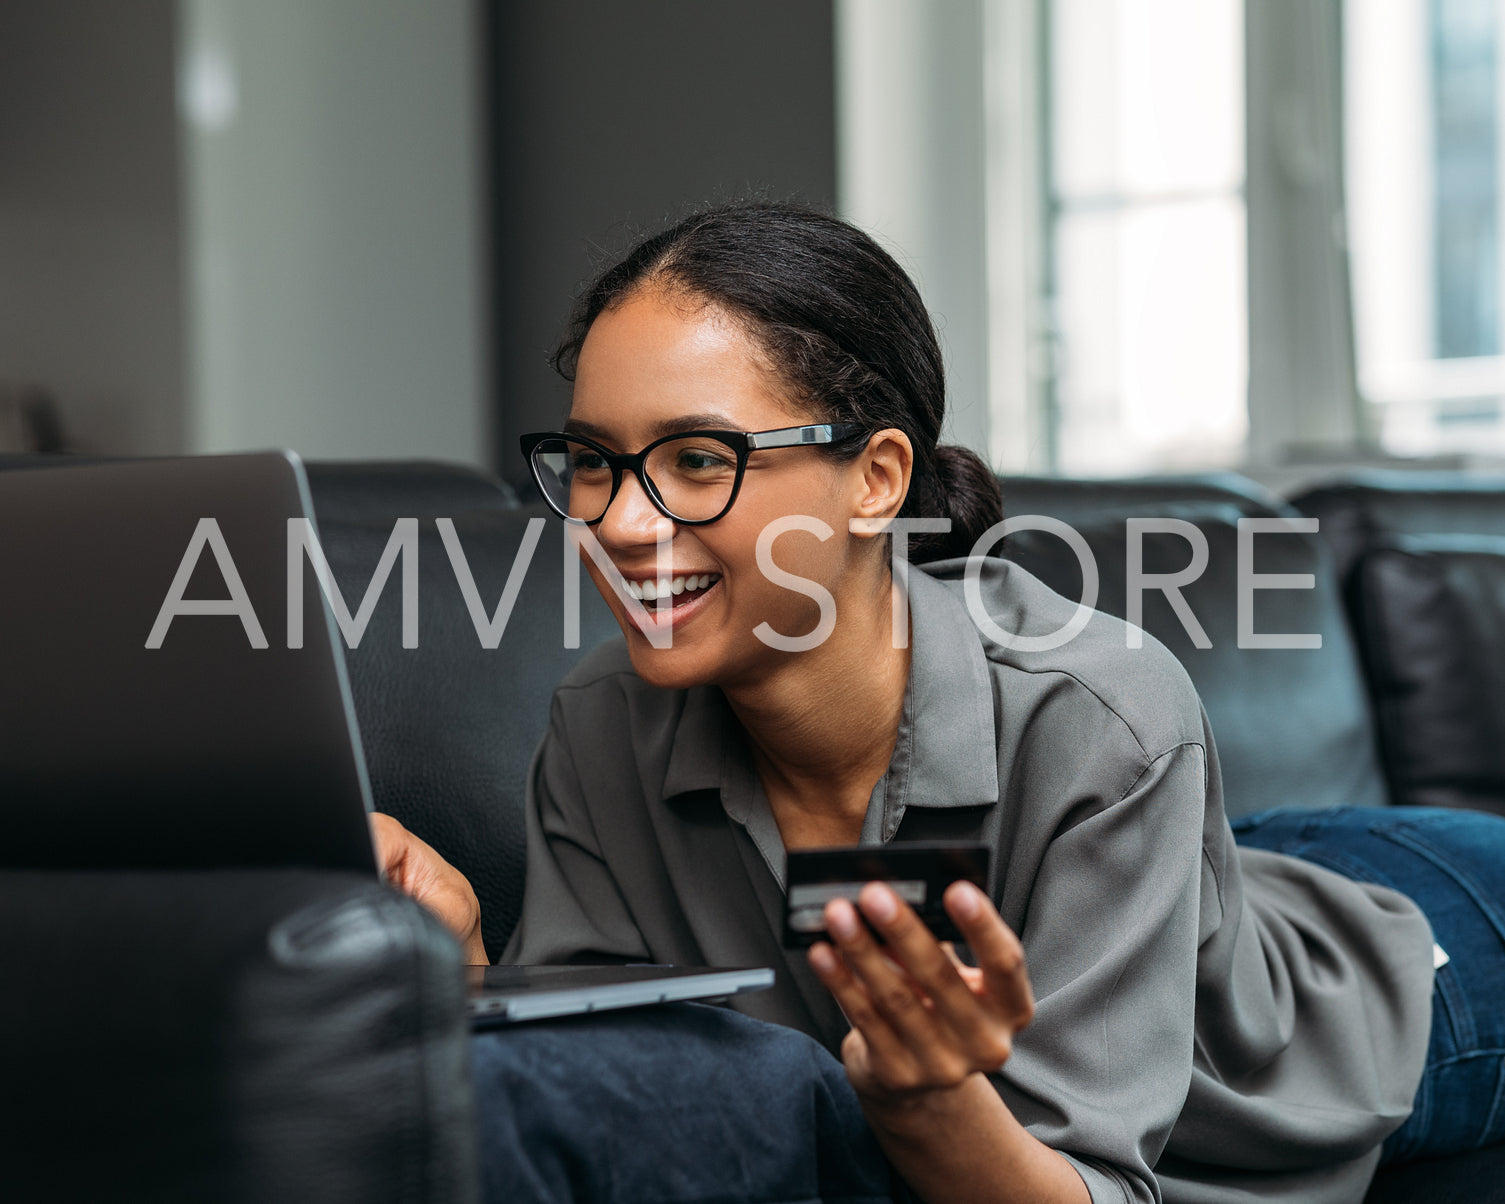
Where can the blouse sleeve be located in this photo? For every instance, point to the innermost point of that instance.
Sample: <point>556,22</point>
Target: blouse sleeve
<point>572,909</point>
<point>1110,930</point>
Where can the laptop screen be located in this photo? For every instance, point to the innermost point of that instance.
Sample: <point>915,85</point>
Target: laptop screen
<point>143,723</point>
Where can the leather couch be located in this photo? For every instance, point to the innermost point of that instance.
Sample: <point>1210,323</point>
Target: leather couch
<point>288,1036</point>
<point>1422,562</point>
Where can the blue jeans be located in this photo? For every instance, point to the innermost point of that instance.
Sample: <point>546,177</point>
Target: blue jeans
<point>1453,864</point>
<point>680,1104</point>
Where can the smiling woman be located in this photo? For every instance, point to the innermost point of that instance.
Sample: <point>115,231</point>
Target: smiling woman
<point>1147,1011</point>
<point>818,395</point>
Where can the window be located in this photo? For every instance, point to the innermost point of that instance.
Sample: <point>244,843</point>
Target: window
<point>1166,277</point>
<point>1146,283</point>
<point>1423,127</point>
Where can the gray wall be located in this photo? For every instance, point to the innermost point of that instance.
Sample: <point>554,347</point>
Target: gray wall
<point>90,265</point>
<point>611,119</point>
<point>335,227</point>
<point>322,281</point>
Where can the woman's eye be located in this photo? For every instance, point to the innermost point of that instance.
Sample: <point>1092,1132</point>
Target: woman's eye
<point>696,460</point>
<point>587,461</point>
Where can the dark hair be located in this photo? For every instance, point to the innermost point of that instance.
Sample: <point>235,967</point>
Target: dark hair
<point>842,325</point>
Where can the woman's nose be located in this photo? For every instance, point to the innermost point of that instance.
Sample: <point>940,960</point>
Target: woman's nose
<point>632,518</point>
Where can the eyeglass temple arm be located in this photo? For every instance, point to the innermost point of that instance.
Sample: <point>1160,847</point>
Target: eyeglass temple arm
<point>793,436</point>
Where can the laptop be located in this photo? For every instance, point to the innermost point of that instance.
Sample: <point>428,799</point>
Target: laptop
<point>149,698</point>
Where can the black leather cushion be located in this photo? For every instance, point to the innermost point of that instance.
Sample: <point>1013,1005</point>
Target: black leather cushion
<point>1293,726</point>
<point>354,490</point>
<point>1477,1177</point>
<point>1367,507</point>
<point>450,727</point>
<point>1430,611</point>
<point>1092,500</point>
<point>234,1035</point>
<point>363,490</point>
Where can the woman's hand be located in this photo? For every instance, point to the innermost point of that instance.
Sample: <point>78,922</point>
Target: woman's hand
<point>922,1022</point>
<point>925,1030</point>
<point>415,869</point>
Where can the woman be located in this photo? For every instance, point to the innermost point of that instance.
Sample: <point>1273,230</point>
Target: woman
<point>758,394</point>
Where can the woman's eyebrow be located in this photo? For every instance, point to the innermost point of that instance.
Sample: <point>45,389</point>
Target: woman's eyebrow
<point>668,426</point>
<point>693,422</point>
<point>573,426</point>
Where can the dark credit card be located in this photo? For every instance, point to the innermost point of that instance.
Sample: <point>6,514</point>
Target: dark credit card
<point>917,871</point>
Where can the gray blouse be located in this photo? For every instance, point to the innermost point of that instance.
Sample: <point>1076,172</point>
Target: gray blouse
<point>1211,1024</point>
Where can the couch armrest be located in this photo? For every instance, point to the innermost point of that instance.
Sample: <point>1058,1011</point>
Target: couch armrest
<point>240,1035</point>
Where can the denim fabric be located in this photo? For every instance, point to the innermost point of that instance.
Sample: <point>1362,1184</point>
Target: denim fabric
<point>680,1104</point>
<point>1452,863</point>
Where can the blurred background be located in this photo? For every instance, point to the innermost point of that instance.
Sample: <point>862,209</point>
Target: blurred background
<point>1156,235</point>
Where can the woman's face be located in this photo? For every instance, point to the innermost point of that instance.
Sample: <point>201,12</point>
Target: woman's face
<point>655,364</point>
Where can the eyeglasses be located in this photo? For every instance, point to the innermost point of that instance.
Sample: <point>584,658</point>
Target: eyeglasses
<point>692,478</point>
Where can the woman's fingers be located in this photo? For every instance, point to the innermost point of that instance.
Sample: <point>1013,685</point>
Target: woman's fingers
<point>891,990</point>
<point>925,1020</point>
<point>413,867</point>
<point>970,975</point>
<point>856,1004</point>
<point>391,841</point>
<point>915,948</point>
<point>1000,956</point>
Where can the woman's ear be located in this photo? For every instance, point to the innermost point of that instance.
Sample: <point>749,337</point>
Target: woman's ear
<point>882,480</point>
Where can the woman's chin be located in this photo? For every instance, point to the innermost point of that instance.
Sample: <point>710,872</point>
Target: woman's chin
<point>667,668</point>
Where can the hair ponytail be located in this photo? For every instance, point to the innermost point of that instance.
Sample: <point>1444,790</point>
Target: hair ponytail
<point>959,486</point>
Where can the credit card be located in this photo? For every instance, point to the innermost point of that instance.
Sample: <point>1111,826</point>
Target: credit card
<point>917,871</point>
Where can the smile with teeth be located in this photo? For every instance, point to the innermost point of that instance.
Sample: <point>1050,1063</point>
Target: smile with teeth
<point>650,590</point>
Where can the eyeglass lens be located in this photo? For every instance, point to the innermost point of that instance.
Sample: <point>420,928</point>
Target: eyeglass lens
<point>694,476</point>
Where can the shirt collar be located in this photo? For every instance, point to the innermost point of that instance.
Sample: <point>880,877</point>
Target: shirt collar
<point>946,754</point>
<point>948,706</point>
<point>706,735</point>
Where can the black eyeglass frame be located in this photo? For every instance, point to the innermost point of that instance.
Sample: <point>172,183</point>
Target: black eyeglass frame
<point>742,443</point>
